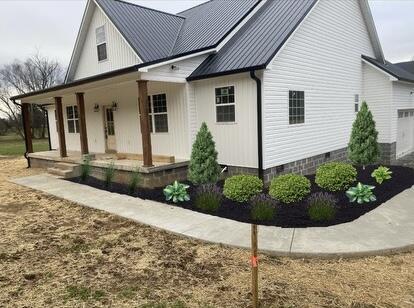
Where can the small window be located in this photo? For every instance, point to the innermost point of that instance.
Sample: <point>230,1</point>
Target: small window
<point>225,105</point>
<point>101,43</point>
<point>157,111</point>
<point>400,114</point>
<point>356,107</point>
<point>296,107</point>
<point>356,100</point>
<point>73,119</point>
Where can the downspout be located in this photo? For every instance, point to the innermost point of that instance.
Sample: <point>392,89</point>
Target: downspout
<point>259,123</point>
<point>48,127</point>
<point>25,133</point>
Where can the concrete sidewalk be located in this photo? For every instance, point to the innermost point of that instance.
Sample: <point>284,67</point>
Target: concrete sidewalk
<point>388,228</point>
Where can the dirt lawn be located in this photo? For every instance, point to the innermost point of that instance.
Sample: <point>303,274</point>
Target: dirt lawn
<point>54,253</point>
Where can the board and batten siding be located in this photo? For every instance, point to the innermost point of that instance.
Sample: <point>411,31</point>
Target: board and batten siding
<point>323,59</point>
<point>236,143</point>
<point>126,119</point>
<point>54,142</point>
<point>120,54</point>
<point>377,92</point>
<point>402,99</point>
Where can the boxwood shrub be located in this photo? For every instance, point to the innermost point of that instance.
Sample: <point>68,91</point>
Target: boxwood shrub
<point>335,176</point>
<point>289,188</point>
<point>241,188</point>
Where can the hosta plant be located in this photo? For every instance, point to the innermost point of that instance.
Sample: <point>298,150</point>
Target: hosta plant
<point>361,193</point>
<point>381,174</point>
<point>177,192</point>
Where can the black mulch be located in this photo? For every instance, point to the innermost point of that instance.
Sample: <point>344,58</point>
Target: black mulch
<point>288,215</point>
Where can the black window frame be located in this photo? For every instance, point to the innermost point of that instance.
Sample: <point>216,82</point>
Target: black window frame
<point>225,104</point>
<point>296,107</point>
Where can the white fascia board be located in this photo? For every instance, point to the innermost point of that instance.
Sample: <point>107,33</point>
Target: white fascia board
<point>239,26</point>
<point>75,51</point>
<point>147,68</point>
<point>292,35</point>
<point>119,32</point>
<point>392,78</point>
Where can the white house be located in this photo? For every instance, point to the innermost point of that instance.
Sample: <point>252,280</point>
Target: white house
<point>277,82</point>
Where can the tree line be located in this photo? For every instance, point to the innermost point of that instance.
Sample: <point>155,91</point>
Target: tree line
<point>19,77</point>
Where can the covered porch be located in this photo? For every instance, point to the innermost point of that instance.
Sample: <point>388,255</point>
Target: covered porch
<point>125,120</point>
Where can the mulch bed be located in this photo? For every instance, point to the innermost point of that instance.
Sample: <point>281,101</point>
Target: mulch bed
<point>293,215</point>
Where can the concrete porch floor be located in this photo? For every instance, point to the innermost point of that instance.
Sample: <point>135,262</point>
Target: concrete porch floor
<point>105,159</point>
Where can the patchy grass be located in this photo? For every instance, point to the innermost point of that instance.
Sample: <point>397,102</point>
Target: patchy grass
<point>54,253</point>
<point>13,145</point>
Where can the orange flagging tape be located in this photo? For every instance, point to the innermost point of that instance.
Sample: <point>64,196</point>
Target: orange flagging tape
<point>255,261</point>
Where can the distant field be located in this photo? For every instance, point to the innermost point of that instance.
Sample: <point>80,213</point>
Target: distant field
<point>13,145</point>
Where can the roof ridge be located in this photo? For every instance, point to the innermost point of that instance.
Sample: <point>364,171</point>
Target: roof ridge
<point>148,8</point>
<point>193,7</point>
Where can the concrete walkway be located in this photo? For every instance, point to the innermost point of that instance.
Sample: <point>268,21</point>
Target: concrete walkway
<point>388,228</point>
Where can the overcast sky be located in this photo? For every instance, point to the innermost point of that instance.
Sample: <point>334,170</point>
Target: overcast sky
<point>51,26</point>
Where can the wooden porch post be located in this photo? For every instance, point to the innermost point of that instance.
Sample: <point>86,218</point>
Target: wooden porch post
<point>60,127</point>
<point>145,123</point>
<point>26,127</point>
<point>82,124</point>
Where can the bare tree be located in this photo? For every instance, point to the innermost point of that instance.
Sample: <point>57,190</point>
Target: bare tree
<point>34,74</point>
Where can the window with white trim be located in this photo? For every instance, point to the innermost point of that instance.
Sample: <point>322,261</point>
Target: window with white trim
<point>296,107</point>
<point>101,43</point>
<point>225,105</point>
<point>73,119</point>
<point>158,113</point>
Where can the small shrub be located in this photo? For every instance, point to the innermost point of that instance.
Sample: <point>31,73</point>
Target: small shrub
<point>177,192</point>
<point>208,198</point>
<point>289,188</point>
<point>109,174</point>
<point>322,206</point>
<point>381,174</point>
<point>335,176</point>
<point>263,207</point>
<point>134,180</point>
<point>361,194</point>
<point>241,188</point>
<point>85,169</point>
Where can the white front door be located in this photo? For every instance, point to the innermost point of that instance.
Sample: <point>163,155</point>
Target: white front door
<point>109,129</point>
<point>405,134</point>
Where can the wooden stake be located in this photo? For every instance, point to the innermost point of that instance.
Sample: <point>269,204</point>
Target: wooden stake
<point>255,269</point>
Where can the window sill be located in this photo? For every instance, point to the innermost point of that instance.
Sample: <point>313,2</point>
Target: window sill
<point>226,123</point>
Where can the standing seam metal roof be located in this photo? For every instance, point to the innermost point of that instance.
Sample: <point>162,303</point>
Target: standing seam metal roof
<point>258,41</point>
<point>397,70</point>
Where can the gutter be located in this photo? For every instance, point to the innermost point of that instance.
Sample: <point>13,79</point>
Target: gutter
<point>259,123</point>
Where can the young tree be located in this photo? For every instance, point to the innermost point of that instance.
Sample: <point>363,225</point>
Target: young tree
<point>204,167</point>
<point>35,73</point>
<point>363,147</point>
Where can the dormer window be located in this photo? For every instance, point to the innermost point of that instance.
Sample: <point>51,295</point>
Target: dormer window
<point>101,43</point>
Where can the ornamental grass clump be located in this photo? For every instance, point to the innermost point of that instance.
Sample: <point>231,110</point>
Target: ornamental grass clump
<point>208,198</point>
<point>335,176</point>
<point>363,148</point>
<point>177,192</point>
<point>85,169</point>
<point>321,206</point>
<point>263,207</point>
<point>134,180</point>
<point>381,174</point>
<point>242,188</point>
<point>109,174</point>
<point>203,167</point>
<point>289,188</point>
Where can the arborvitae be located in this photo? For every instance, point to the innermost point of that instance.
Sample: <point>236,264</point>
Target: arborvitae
<point>203,167</point>
<point>363,147</point>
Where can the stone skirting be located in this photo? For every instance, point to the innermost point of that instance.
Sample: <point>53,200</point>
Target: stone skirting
<point>388,153</point>
<point>159,176</point>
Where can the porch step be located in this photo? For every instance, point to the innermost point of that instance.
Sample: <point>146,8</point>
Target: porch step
<point>65,170</point>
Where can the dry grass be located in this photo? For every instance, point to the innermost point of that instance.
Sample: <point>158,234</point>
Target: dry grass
<point>56,254</point>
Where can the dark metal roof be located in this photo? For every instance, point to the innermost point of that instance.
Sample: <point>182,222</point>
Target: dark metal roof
<point>255,45</point>
<point>207,24</point>
<point>158,35</point>
<point>151,33</point>
<point>394,70</point>
<point>407,66</point>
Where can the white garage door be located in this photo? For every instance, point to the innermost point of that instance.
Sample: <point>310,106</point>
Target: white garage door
<point>405,137</point>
